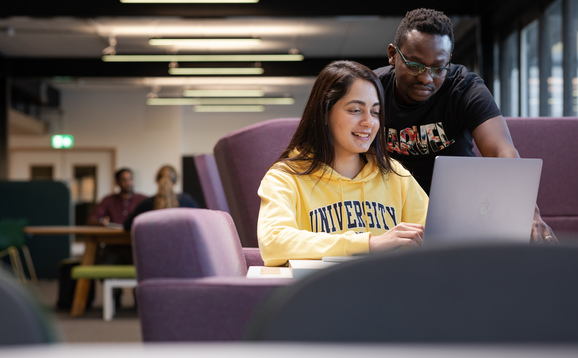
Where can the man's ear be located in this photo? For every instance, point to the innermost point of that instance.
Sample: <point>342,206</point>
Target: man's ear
<point>391,52</point>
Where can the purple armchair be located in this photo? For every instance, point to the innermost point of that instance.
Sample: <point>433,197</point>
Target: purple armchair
<point>191,272</point>
<point>243,157</point>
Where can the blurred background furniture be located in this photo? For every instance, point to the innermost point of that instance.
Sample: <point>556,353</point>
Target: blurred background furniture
<point>12,243</point>
<point>41,202</point>
<point>553,140</point>
<point>24,320</point>
<point>243,157</point>
<point>94,236</point>
<point>470,294</point>
<point>113,276</point>
<point>191,274</point>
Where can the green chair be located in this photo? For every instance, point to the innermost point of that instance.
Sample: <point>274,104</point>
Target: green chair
<point>12,241</point>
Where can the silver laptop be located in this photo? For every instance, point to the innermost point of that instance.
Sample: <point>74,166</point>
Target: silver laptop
<point>482,200</point>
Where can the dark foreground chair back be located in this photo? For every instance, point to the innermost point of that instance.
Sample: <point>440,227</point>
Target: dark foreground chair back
<point>23,320</point>
<point>243,157</point>
<point>494,294</point>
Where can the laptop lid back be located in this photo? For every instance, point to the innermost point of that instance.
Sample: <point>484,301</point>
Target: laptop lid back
<point>479,199</point>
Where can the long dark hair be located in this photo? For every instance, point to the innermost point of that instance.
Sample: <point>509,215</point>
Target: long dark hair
<point>312,139</point>
<point>166,197</point>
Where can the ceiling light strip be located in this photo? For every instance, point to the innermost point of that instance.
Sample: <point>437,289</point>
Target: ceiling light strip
<point>219,101</point>
<point>189,1</point>
<point>229,108</point>
<point>202,58</point>
<point>216,71</point>
<point>224,93</point>
<point>209,42</point>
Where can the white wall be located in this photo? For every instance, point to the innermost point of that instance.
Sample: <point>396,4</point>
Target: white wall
<point>145,137</point>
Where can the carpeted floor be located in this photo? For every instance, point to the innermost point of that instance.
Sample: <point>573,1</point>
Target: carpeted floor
<point>91,328</point>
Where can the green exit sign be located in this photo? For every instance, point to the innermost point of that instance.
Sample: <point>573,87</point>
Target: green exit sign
<point>62,141</point>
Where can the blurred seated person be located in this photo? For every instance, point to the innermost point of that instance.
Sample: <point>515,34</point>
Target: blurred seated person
<point>165,198</point>
<point>115,208</point>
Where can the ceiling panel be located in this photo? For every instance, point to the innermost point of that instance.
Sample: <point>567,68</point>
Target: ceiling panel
<point>61,42</point>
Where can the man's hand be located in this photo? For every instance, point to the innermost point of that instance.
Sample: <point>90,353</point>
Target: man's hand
<point>541,232</point>
<point>104,221</point>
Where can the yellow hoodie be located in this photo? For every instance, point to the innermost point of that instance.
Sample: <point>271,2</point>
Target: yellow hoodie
<point>308,217</point>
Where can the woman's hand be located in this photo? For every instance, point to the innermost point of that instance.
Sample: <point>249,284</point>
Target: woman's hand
<point>403,234</point>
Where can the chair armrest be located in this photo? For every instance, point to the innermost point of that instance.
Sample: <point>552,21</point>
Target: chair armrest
<point>253,256</point>
<point>202,309</point>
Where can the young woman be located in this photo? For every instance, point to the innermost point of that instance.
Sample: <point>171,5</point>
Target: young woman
<point>334,191</point>
<point>165,198</point>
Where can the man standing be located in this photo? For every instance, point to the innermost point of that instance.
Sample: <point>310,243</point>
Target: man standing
<point>115,208</point>
<point>434,107</point>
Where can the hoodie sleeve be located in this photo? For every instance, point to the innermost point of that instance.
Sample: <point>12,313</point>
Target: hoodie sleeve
<point>415,201</point>
<point>278,231</point>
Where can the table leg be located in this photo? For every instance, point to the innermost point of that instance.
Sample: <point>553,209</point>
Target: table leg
<point>83,284</point>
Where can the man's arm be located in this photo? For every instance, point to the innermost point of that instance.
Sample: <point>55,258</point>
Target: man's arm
<point>99,215</point>
<point>493,140</point>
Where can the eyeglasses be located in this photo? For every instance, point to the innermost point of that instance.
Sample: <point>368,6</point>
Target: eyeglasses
<point>416,69</point>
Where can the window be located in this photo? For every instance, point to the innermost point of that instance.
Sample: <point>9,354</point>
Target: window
<point>509,74</point>
<point>572,59</point>
<point>553,75</point>
<point>530,80</point>
<point>41,172</point>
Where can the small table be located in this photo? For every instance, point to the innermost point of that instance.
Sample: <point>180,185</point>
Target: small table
<point>295,269</point>
<point>95,235</point>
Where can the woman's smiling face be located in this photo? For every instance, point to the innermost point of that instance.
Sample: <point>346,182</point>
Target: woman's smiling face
<point>354,119</point>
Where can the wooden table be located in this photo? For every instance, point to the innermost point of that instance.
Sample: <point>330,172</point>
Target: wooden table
<point>95,235</point>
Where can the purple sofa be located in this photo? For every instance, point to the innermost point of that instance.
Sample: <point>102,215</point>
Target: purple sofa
<point>191,272</point>
<point>554,141</point>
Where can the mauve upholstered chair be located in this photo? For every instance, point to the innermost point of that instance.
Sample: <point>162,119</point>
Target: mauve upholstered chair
<point>191,272</point>
<point>243,157</point>
<point>210,180</point>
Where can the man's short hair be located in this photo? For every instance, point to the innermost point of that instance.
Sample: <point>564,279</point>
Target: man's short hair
<point>120,171</point>
<point>428,21</point>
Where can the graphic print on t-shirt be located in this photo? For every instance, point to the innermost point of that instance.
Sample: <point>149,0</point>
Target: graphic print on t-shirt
<point>411,141</point>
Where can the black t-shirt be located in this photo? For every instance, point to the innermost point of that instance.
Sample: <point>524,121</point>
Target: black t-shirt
<point>442,125</point>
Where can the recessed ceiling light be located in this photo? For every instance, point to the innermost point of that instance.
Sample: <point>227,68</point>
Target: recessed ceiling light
<point>224,93</point>
<point>189,1</point>
<point>203,58</point>
<point>216,71</point>
<point>229,108</point>
<point>179,101</point>
<point>205,42</point>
